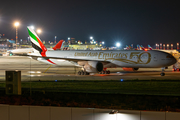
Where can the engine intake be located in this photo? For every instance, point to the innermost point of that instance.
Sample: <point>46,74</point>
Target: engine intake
<point>93,66</point>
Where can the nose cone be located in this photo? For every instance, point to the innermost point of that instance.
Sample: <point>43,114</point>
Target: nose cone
<point>174,60</point>
<point>170,59</point>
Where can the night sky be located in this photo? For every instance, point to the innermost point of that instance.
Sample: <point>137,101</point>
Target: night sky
<point>127,21</point>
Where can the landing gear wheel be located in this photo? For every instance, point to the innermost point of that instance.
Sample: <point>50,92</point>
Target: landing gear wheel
<point>108,72</point>
<point>87,73</point>
<point>82,72</point>
<point>162,74</point>
<point>79,73</point>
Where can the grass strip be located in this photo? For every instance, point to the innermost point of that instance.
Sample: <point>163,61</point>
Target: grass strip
<point>136,87</point>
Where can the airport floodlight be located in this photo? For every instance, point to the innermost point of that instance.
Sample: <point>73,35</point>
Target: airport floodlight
<point>103,42</point>
<point>178,46</point>
<point>113,112</point>
<point>118,44</point>
<point>16,24</point>
<point>91,37</point>
<point>39,31</point>
<point>69,38</point>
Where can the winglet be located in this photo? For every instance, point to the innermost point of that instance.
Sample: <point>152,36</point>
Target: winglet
<point>36,42</point>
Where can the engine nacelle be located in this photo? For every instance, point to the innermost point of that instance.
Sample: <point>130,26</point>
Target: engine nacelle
<point>93,67</point>
<point>130,69</point>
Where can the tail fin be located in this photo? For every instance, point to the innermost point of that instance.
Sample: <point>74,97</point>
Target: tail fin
<point>36,42</point>
<point>127,47</point>
<point>138,47</point>
<point>141,47</point>
<point>58,45</point>
<point>149,47</point>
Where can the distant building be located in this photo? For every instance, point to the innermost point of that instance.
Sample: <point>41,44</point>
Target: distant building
<point>82,47</point>
<point>5,44</point>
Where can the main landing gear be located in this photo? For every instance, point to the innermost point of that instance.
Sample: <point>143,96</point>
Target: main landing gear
<point>82,72</point>
<point>175,68</point>
<point>104,71</point>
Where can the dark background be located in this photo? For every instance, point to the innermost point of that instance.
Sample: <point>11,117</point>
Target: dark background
<point>127,21</point>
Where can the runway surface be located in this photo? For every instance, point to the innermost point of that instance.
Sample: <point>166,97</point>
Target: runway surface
<point>32,70</point>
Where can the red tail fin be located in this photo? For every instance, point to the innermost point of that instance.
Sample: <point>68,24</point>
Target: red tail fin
<point>58,45</point>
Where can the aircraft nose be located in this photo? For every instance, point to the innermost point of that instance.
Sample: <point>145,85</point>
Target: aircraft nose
<point>172,59</point>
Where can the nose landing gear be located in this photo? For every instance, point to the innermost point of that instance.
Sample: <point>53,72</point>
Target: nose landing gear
<point>163,69</point>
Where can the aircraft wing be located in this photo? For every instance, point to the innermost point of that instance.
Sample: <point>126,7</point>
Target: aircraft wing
<point>68,59</point>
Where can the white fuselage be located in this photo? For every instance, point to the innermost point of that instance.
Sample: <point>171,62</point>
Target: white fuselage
<point>116,58</point>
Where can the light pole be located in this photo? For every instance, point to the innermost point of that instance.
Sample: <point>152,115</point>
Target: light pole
<point>167,46</point>
<point>177,46</point>
<point>55,39</point>
<point>164,46</point>
<point>16,24</point>
<point>171,46</point>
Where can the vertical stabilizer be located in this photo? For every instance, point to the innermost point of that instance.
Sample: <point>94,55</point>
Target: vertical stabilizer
<point>36,42</point>
<point>58,45</point>
<point>149,47</point>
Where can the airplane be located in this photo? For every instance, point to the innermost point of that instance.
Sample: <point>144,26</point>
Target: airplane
<point>96,61</point>
<point>149,47</point>
<point>58,45</point>
<point>141,47</point>
<point>22,51</point>
<point>175,53</point>
<point>129,48</point>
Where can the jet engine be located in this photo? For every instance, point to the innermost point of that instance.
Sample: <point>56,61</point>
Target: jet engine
<point>93,66</point>
<point>130,69</point>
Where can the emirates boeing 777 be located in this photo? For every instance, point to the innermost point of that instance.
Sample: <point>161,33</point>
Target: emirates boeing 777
<point>95,61</point>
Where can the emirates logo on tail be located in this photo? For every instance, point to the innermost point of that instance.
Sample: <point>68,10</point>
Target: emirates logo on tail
<point>36,42</point>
